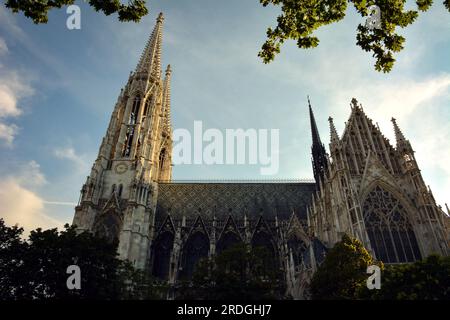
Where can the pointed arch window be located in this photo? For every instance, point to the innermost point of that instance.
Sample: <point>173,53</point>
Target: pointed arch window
<point>196,247</point>
<point>227,240</point>
<point>145,114</point>
<point>108,226</point>
<point>162,156</point>
<point>297,247</point>
<point>119,193</point>
<point>135,110</point>
<point>128,141</point>
<point>389,228</point>
<point>263,240</point>
<point>162,251</point>
<point>162,159</point>
<point>131,126</point>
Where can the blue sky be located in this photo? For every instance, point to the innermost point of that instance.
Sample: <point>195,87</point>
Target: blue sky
<point>58,88</point>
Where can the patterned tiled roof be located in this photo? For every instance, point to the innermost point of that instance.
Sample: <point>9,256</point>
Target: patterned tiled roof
<point>209,199</point>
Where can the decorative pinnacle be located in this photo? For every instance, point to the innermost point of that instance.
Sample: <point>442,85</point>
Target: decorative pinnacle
<point>334,137</point>
<point>168,70</point>
<point>166,99</point>
<point>398,133</point>
<point>354,104</point>
<point>160,18</point>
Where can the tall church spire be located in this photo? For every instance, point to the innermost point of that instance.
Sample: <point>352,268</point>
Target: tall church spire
<point>314,130</point>
<point>319,155</point>
<point>150,61</point>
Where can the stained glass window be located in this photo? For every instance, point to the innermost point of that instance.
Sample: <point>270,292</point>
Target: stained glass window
<point>162,251</point>
<point>196,247</point>
<point>389,228</point>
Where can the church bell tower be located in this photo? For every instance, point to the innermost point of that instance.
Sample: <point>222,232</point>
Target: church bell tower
<point>118,199</point>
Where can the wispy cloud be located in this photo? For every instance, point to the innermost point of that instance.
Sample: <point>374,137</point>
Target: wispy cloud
<point>337,71</point>
<point>20,204</point>
<point>68,153</point>
<point>13,88</point>
<point>3,47</point>
<point>60,203</point>
<point>7,133</point>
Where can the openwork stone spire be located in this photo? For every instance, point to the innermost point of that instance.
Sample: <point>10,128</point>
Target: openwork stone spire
<point>398,133</point>
<point>334,137</point>
<point>150,61</point>
<point>166,98</point>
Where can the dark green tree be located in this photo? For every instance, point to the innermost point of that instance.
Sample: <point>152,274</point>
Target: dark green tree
<point>342,275</point>
<point>428,279</point>
<point>37,268</point>
<point>11,249</point>
<point>37,10</point>
<point>300,19</point>
<point>235,273</point>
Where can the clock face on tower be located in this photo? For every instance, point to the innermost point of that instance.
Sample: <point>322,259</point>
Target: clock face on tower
<point>120,168</point>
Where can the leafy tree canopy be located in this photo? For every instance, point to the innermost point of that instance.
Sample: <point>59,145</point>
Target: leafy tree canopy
<point>36,268</point>
<point>37,10</point>
<point>300,19</point>
<point>342,275</point>
<point>428,279</point>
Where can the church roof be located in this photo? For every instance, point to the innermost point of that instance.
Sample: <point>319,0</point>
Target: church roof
<point>238,199</point>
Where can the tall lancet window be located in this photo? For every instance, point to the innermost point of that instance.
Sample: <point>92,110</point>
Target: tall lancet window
<point>146,108</point>
<point>162,159</point>
<point>162,250</point>
<point>135,110</point>
<point>227,241</point>
<point>262,241</point>
<point>297,247</point>
<point>389,228</point>
<point>131,127</point>
<point>196,247</point>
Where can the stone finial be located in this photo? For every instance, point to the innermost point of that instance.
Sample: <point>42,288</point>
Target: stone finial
<point>160,18</point>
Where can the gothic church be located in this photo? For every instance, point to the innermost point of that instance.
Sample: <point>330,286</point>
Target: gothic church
<point>364,187</point>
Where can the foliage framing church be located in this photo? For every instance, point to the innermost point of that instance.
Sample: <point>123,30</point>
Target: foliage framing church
<point>366,188</point>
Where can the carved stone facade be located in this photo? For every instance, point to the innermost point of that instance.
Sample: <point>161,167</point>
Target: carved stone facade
<point>367,188</point>
<point>375,192</point>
